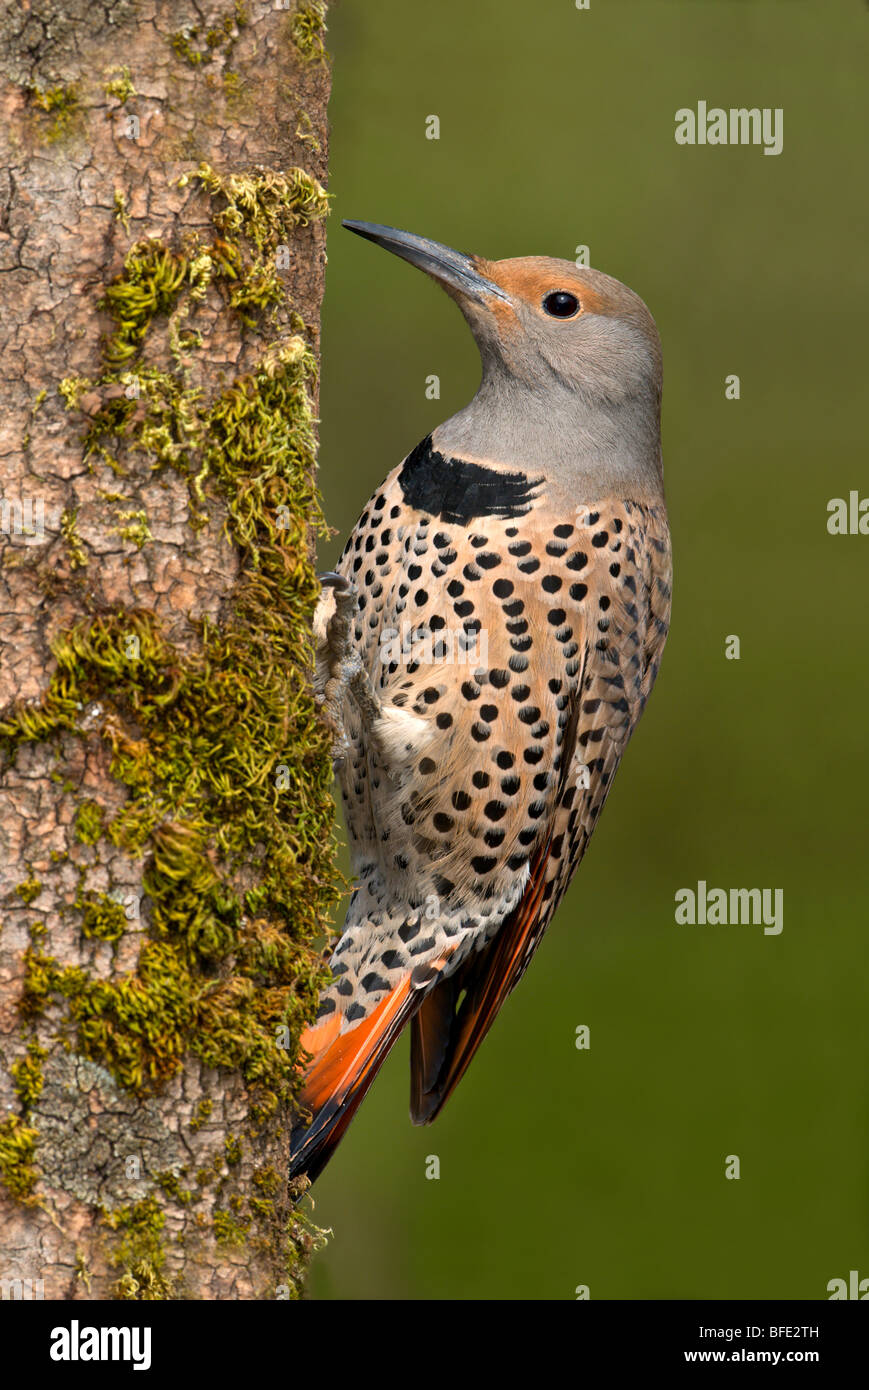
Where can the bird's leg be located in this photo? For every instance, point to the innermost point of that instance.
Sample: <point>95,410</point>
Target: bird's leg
<point>339,670</point>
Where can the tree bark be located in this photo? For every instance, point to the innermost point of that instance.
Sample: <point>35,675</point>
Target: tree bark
<point>165,830</point>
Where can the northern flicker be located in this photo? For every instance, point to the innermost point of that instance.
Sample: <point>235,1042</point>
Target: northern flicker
<point>485,649</point>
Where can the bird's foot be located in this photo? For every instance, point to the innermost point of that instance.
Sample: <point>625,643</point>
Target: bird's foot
<point>339,670</point>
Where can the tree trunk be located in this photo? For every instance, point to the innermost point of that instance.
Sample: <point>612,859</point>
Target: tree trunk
<point>165,830</point>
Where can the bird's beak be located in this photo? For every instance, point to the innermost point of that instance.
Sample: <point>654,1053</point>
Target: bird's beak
<point>454,270</point>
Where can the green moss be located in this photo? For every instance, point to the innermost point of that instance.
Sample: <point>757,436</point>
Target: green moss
<point>29,889</point>
<point>203,1113</point>
<point>102,916</point>
<point>27,1075</point>
<point>18,1173</point>
<point>266,205</point>
<point>120,86</point>
<point>263,208</point>
<point>82,1269</point>
<point>134,527</point>
<point>228,1230</point>
<point>89,822</point>
<point>120,205</point>
<point>233,1150</point>
<point>306,133</point>
<point>150,284</point>
<point>75,550</point>
<point>307,30</point>
<point>202,794</point>
<point>72,388</point>
<point>183,42</point>
<point>62,105</point>
<point>170,1183</point>
<point>140,1254</point>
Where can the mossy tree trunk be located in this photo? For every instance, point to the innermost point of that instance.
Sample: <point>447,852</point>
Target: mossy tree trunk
<point>165,831</point>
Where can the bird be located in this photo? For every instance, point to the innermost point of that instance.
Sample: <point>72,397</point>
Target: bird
<point>484,650</point>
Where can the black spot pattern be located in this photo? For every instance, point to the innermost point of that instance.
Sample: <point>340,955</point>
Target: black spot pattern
<point>539,639</point>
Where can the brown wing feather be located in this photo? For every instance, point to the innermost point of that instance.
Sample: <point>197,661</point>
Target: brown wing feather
<point>485,979</point>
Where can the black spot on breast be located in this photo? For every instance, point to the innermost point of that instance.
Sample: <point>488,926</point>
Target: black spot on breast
<point>482,865</point>
<point>457,491</point>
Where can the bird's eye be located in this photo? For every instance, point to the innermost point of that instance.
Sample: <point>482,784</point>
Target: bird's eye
<point>560,304</point>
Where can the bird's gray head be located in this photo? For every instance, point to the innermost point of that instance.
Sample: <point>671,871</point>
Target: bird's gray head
<point>571,359</point>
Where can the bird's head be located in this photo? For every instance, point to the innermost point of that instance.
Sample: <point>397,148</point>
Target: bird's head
<point>552,325</point>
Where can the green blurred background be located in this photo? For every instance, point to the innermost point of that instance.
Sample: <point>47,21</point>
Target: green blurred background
<point>606,1167</point>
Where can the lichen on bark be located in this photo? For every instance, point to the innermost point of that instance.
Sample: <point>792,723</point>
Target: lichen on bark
<point>168,778</point>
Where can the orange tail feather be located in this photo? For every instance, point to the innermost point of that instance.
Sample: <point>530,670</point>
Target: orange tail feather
<point>342,1068</point>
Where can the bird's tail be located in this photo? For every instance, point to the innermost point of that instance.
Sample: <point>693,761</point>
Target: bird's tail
<point>342,1067</point>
